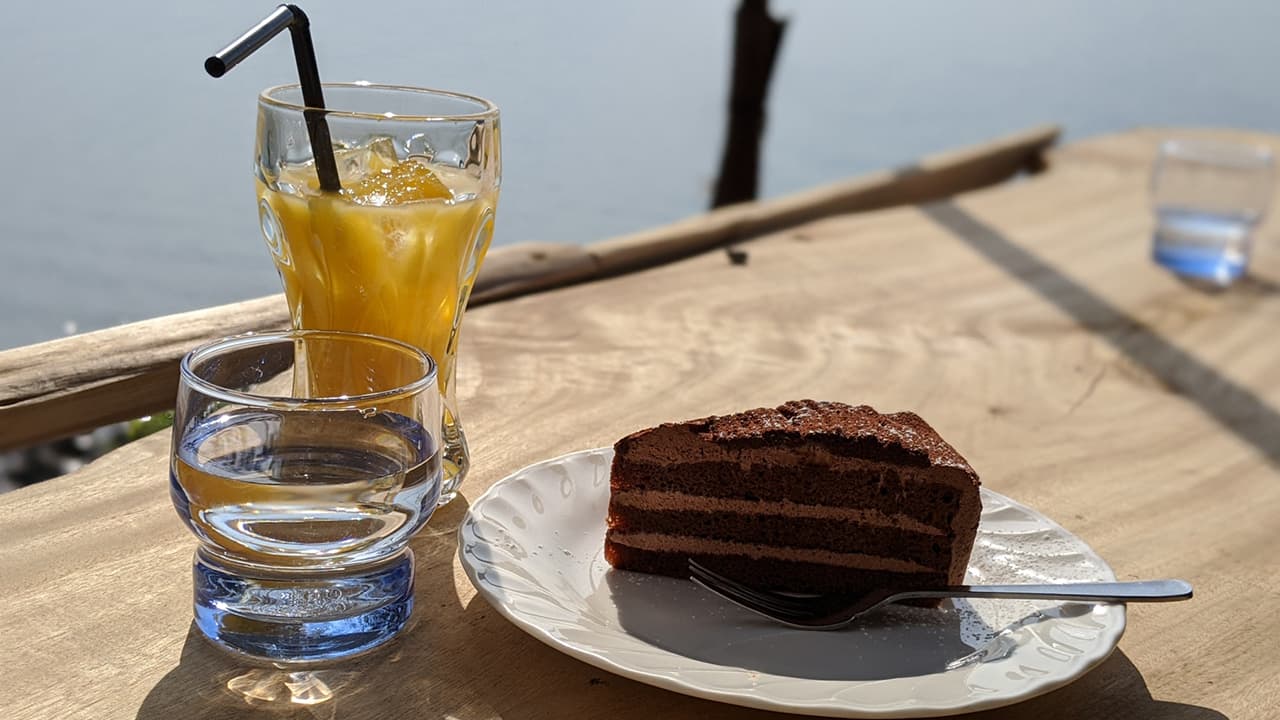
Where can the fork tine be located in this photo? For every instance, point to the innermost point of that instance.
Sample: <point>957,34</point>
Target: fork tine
<point>751,603</point>
<point>724,580</point>
<point>768,603</point>
<point>737,592</point>
<point>715,580</point>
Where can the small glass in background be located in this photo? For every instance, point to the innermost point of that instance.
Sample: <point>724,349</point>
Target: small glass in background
<point>1208,198</point>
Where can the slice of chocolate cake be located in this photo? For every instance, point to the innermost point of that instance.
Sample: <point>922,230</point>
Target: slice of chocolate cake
<point>808,497</point>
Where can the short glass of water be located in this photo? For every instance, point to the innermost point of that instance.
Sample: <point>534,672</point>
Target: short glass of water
<point>304,461</point>
<point>1208,198</point>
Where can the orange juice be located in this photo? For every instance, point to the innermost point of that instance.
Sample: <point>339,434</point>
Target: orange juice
<point>395,253</point>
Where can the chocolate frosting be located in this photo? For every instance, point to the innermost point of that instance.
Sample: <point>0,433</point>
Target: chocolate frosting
<point>847,430</point>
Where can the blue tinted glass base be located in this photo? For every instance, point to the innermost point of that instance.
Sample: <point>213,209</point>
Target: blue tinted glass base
<point>1205,247</point>
<point>1212,266</point>
<point>302,619</point>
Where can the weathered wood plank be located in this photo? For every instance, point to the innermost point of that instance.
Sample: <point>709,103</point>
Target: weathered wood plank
<point>932,178</point>
<point>78,383</point>
<point>73,384</point>
<point>1034,334</point>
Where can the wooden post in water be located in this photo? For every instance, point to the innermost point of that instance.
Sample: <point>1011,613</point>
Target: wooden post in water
<point>757,37</point>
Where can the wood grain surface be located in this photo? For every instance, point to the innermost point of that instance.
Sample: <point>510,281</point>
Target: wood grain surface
<point>73,384</point>
<point>1025,322</point>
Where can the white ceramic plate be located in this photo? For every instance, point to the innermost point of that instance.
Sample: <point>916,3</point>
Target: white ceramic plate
<point>533,547</point>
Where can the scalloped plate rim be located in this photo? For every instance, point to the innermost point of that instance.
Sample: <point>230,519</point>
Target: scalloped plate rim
<point>1108,641</point>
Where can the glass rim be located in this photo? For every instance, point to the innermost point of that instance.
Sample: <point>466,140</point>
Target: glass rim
<point>489,110</point>
<point>333,402</point>
<point>1219,152</point>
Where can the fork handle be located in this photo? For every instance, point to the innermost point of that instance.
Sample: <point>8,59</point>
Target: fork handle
<point>1138,591</point>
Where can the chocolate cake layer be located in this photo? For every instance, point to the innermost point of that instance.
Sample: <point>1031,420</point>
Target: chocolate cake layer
<point>684,502</point>
<point>770,574</point>
<point>851,484</point>
<point>787,532</point>
<point>694,546</point>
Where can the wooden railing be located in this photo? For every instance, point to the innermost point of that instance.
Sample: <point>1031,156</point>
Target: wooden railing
<point>64,386</point>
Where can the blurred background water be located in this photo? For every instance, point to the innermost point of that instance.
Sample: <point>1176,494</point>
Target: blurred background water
<point>126,191</point>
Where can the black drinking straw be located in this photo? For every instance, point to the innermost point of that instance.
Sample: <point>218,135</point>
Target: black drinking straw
<point>304,54</point>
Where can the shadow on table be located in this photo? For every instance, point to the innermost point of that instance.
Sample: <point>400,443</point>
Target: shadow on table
<point>1114,689</point>
<point>570,689</point>
<point>1234,407</point>
<point>468,663</point>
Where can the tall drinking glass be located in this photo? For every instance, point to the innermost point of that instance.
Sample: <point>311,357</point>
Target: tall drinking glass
<point>394,253</point>
<point>304,495</point>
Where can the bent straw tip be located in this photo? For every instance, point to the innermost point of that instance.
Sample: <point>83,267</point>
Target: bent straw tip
<point>215,66</point>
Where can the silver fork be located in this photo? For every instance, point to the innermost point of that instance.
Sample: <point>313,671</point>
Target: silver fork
<point>831,612</point>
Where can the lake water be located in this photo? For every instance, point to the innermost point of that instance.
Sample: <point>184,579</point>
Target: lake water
<point>127,190</point>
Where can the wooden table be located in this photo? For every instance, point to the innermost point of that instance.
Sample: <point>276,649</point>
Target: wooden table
<point>1025,322</point>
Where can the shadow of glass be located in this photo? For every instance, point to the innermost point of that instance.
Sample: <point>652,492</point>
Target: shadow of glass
<point>1247,286</point>
<point>404,674</point>
<point>1254,286</point>
<point>1237,409</point>
<point>209,683</point>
